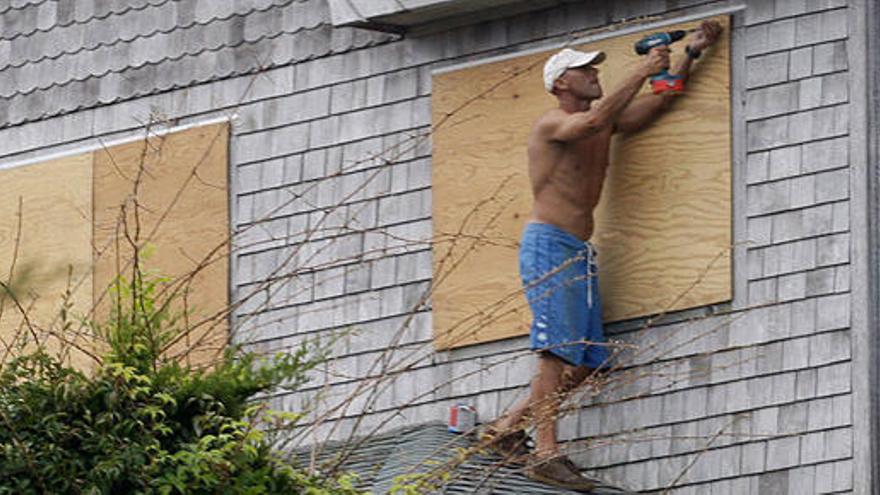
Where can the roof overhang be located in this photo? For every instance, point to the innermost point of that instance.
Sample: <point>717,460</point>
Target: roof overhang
<point>401,15</point>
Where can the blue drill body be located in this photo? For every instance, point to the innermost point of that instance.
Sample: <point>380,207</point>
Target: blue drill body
<point>662,81</point>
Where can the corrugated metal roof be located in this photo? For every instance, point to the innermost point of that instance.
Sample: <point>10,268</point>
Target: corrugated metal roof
<point>380,459</point>
<point>58,56</point>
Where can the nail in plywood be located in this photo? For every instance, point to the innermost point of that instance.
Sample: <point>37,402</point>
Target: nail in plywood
<point>663,227</point>
<point>53,246</point>
<point>182,205</point>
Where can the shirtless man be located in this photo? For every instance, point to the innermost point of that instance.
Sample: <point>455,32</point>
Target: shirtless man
<point>568,156</point>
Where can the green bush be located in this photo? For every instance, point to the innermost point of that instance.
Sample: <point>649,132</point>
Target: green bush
<point>144,423</point>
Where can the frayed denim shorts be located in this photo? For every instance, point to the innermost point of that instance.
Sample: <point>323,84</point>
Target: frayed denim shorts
<point>559,274</point>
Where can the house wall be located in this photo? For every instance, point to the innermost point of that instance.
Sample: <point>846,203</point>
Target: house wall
<point>331,199</point>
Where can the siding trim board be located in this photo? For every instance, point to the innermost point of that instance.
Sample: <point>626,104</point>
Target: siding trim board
<point>873,141</point>
<point>864,61</point>
<point>739,159</point>
<point>863,182</point>
<point>98,144</point>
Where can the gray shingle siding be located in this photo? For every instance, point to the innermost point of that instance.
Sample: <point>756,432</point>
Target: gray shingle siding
<point>331,170</point>
<point>63,56</point>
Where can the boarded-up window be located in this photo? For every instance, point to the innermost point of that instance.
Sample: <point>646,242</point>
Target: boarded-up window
<point>663,226</point>
<point>74,214</point>
<point>45,243</point>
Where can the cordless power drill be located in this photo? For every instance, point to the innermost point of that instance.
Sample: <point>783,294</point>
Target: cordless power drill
<point>662,81</point>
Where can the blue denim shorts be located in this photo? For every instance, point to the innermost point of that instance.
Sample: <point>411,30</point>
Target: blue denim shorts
<point>559,274</point>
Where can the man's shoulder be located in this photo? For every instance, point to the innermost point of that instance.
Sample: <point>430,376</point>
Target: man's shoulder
<point>549,121</point>
<point>550,118</point>
<point>553,114</point>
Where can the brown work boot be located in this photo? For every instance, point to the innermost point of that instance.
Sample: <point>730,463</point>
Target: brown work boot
<point>560,471</point>
<point>511,445</point>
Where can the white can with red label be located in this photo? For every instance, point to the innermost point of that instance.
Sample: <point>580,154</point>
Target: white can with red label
<point>462,418</point>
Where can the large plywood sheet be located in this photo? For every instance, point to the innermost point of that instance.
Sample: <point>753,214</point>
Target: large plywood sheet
<point>46,218</point>
<point>663,227</point>
<point>183,219</point>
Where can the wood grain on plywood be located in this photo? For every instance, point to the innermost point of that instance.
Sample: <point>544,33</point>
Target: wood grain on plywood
<point>46,232</point>
<point>180,182</point>
<point>663,226</point>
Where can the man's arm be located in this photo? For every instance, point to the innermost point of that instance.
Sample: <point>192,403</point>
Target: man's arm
<point>645,108</point>
<point>578,125</point>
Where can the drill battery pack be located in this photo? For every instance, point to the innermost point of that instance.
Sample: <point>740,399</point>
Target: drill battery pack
<point>663,85</point>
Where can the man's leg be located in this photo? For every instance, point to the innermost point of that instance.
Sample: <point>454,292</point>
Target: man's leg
<point>575,376</point>
<point>544,401</point>
<point>506,434</point>
<point>553,382</point>
<point>572,377</point>
<point>514,419</point>
<point>545,396</point>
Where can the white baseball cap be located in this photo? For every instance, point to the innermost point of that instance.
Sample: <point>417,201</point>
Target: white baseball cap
<point>567,59</point>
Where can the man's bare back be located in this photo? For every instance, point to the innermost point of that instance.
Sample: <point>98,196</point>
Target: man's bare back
<point>567,178</point>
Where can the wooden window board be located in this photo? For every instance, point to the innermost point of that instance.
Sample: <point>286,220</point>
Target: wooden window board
<point>663,226</point>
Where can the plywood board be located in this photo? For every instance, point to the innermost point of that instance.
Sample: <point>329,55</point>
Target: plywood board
<point>663,227</point>
<point>53,240</point>
<point>183,211</point>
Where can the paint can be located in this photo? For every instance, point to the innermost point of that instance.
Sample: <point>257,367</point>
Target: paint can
<point>462,418</point>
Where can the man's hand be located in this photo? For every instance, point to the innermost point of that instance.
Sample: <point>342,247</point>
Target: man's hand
<point>646,107</point>
<point>705,36</point>
<point>656,61</point>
